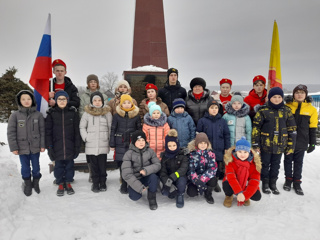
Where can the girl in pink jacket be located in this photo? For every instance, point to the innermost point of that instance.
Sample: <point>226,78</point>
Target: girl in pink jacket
<point>156,128</point>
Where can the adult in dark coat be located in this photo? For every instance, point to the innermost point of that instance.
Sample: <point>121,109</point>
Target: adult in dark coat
<point>197,99</point>
<point>172,89</point>
<point>61,82</point>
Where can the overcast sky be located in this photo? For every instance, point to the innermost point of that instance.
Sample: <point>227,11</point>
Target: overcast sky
<point>212,39</point>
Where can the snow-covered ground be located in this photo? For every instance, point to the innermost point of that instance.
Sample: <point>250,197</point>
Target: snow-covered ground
<point>111,215</point>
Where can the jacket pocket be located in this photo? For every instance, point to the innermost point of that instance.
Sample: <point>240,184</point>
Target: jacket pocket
<point>265,139</point>
<point>35,126</point>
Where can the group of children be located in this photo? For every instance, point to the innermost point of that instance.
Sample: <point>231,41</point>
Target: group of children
<point>185,157</point>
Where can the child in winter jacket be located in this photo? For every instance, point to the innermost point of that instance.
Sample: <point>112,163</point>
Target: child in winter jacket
<point>182,122</point>
<point>63,141</point>
<point>306,117</point>
<point>238,120</point>
<point>174,166</point>
<point>95,127</point>
<point>242,176</point>
<point>139,168</point>
<point>124,123</point>
<point>202,168</point>
<point>273,133</point>
<point>218,133</point>
<point>155,127</point>
<point>26,138</point>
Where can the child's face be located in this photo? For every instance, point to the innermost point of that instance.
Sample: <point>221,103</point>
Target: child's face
<point>258,87</point>
<point>62,102</point>
<point>242,155</point>
<point>151,94</point>
<point>179,110</point>
<point>276,99</point>
<point>126,104</point>
<point>156,114</point>
<point>26,100</point>
<point>202,146</point>
<point>236,105</point>
<point>123,88</point>
<point>140,143</point>
<point>97,102</point>
<point>300,95</point>
<point>93,85</point>
<point>213,110</point>
<point>172,146</point>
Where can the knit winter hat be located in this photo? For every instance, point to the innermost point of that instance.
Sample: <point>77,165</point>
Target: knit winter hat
<point>123,82</point>
<point>237,98</point>
<point>153,107</point>
<point>61,93</point>
<point>243,145</point>
<point>172,70</point>
<point>213,102</point>
<point>95,95</point>
<point>178,102</point>
<point>137,135</point>
<point>201,137</point>
<point>172,136</point>
<point>275,91</point>
<point>92,77</point>
<point>198,81</point>
<point>301,87</point>
<point>125,97</point>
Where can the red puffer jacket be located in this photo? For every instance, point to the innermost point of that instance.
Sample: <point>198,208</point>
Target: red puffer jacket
<point>253,99</point>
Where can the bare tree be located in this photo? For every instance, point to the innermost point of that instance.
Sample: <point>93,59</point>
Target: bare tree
<point>109,81</point>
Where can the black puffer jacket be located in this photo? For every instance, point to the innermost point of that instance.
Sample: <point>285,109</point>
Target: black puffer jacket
<point>170,92</point>
<point>197,108</point>
<point>173,167</point>
<point>123,125</point>
<point>72,91</point>
<point>62,132</point>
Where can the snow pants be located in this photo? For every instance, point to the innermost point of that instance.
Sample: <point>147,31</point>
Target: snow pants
<point>293,165</point>
<point>270,165</point>
<point>150,181</point>
<point>64,171</point>
<point>98,168</point>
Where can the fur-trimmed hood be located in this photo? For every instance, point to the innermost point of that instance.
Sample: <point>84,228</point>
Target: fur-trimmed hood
<point>256,158</point>
<point>192,146</point>
<point>155,122</point>
<point>97,111</point>
<point>131,113</point>
<point>290,99</point>
<point>242,112</point>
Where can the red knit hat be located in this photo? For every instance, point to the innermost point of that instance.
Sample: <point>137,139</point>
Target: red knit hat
<point>225,80</point>
<point>58,62</point>
<point>151,86</point>
<point>259,78</point>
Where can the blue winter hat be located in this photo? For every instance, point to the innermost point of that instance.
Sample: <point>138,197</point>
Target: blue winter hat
<point>243,145</point>
<point>275,91</point>
<point>178,102</point>
<point>61,93</point>
<point>152,107</point>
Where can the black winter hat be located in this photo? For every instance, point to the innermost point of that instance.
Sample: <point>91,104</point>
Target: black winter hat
<point>172,70</point>
<point>61,93</point>
<point>94,94</point>
<point>301,87</point>
<point>275,91</point>
<point>198,81</point>
<point>213,102</point>
<point>137,135</point>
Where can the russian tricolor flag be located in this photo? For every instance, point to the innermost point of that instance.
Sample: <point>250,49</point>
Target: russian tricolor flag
<point>42,71</point>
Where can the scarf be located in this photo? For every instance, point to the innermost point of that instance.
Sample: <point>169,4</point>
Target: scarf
<point>198,96</point>
<point>242,172</point>
<point>274,106</point>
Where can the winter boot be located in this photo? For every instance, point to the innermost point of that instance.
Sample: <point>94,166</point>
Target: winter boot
<point>124,187</point>
<point>35,184</point>
<point>60,191</point>
<point>27,187</point>
<point>217,188</point>
<point>228,201</point>
<point>179,201</point>
<point>265,186</point>
<point>287,184</point>
<point>95,187</point>
<point>273,186</point>
<point>247,203</point>
<point>152,200</point>
<point>297,187</point>
<point>208,195</point>
<point>90,173</point>
<point>103,187</point>
<point>69,189</point>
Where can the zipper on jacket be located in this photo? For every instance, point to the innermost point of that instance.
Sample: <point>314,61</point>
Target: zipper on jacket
<point>63,134</point>
<point>141,160</point>
<point>156,139</point>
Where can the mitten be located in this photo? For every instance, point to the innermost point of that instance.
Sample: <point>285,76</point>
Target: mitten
<point>201,186</point>
<point>51,154</point>
<point>311,148</point>
<point>165,190</point>
<point>169,182</point>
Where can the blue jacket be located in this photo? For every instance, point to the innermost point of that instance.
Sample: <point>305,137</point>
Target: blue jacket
<point>217,131</point>
<point>185,127</point>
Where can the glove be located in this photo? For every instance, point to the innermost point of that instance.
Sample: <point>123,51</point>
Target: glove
<point>201,186</point>
<point>311,148</point>
<point>51,154</point>
<point>76,152</point>
<point>169,182</point>
<point>165,190</point>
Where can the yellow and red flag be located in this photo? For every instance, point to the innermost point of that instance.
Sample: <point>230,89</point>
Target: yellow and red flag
<point>274,78</point>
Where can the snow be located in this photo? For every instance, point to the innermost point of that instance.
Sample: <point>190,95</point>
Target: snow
<point>111,215</point>
<point>148,68</point>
